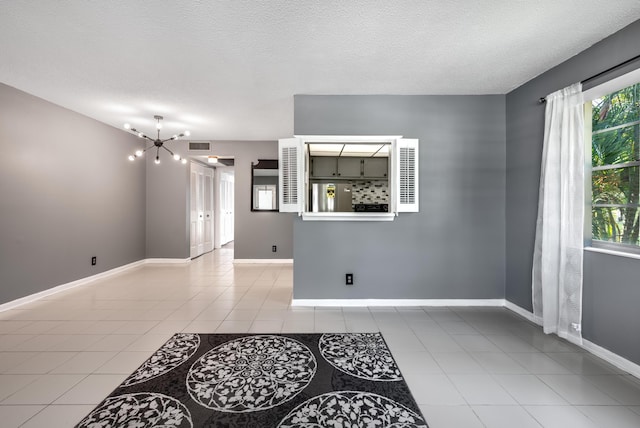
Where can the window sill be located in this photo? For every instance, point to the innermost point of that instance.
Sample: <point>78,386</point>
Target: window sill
<point>348,216</point>
<point>612,252</point>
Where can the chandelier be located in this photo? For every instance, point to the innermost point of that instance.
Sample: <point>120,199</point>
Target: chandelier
<point>157,142</point>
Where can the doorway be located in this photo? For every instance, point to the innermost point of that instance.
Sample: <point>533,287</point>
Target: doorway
<point>201,222</point>
<point>225,178</point>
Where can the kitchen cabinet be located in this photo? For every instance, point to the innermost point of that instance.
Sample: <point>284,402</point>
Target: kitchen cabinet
<point>349,167</point>
<point>375,167</point>
<point>324,166</point>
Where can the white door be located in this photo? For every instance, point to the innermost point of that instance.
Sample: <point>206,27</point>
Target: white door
<point>193,213</point>
<point>208,210</point>
<point>201,210</point>
<point>226,207</point>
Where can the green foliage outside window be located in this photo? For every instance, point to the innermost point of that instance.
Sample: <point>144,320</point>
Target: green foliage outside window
<point>615,154</point>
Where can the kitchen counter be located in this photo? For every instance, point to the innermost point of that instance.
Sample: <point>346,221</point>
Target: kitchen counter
<point>348,216</point>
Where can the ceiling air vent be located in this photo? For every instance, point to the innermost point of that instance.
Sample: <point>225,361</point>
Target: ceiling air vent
<point>195,146</point>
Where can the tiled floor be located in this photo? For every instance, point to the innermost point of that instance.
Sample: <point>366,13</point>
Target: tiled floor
<point>467,367</point>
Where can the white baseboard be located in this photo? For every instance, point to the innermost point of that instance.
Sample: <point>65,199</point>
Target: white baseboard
<point>397,302</point>
<point>166,261</point>
<point>597,350</point>
<point>612,358</point>
<point>522,312</point>
<point>269,261</point>
<point>69,285</point>
<point>84,281</point>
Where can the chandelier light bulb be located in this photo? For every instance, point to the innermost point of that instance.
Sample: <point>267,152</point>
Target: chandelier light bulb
<point>187,133</point>
<point>157,144</point>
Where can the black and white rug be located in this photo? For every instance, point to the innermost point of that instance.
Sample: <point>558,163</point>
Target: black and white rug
<point>263,380</point>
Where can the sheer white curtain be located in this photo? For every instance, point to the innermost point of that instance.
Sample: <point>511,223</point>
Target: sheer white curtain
<point>557,258</point>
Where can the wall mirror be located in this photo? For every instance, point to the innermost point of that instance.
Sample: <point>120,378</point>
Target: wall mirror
<point>264,185</point>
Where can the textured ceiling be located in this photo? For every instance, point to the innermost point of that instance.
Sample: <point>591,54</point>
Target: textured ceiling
<point>229,69</point>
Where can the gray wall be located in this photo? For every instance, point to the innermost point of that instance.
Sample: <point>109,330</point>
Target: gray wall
<point>255,232</point>
<point>67,193</point>
<point>167,222</point>
<point>454,248</point>
<point>610,299</point>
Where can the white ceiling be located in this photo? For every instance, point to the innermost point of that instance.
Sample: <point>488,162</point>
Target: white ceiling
<point>229,69</point>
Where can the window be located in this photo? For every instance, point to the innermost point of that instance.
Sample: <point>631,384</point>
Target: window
<point>348,178</point>
<point>615,160</point>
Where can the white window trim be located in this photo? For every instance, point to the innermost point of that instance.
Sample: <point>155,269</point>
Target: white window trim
<point>597,246</point>
<point>394,177</point>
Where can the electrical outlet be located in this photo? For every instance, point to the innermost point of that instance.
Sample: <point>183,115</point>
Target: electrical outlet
<point>349,279</point>
<point>274,248</point>
<point>94,261</point>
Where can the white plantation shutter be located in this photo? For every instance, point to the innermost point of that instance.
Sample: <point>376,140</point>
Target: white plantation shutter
<point>290,175</point>
<point>406,161</point>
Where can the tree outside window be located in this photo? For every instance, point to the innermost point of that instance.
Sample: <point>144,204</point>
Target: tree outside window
<point>615,154</point>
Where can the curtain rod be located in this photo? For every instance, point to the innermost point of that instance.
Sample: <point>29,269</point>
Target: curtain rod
<point>602,73</point>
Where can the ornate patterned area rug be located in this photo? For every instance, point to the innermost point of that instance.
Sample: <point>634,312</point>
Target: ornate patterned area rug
<point>263,380</point>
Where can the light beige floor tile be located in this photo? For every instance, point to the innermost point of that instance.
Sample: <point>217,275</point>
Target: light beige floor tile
<point>77,342</point>
<point>10,384</point>
<point>15,416</point>
<point>450,417</point>
<point>92,389</point>
<point>498,363</point>
<point>577,390</point>
<point>242,315</point>
<point>457,363</point>
<point>8,360</point>
<point>136,327</point>
<point>481,389</point>
<point>9,342</point>
<point>266,326</point>
<point>529,390</point>
<point>505,417</point>
<point>36,327</point>
<point>12,326</point>
<point>305,326</point>
<point>42,363</point>
<point>234,327</point>
<point>202,327</point>
<point>623,388</point>
<point>41,342</point>
<point>124,363</point>
<point>435,390</point>
<point>611,416</point>
<point>84,363</point>
<point>44,390</point>
<point>330,326</point>
<point>416,363</point>
<point>114,342</point>
<point>58,416</point>
<point>560,417</point>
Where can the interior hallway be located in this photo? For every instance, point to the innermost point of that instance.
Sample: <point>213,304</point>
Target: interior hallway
<point>467,367</point>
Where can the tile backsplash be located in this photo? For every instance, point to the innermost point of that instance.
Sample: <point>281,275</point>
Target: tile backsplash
<point>370,192</point>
